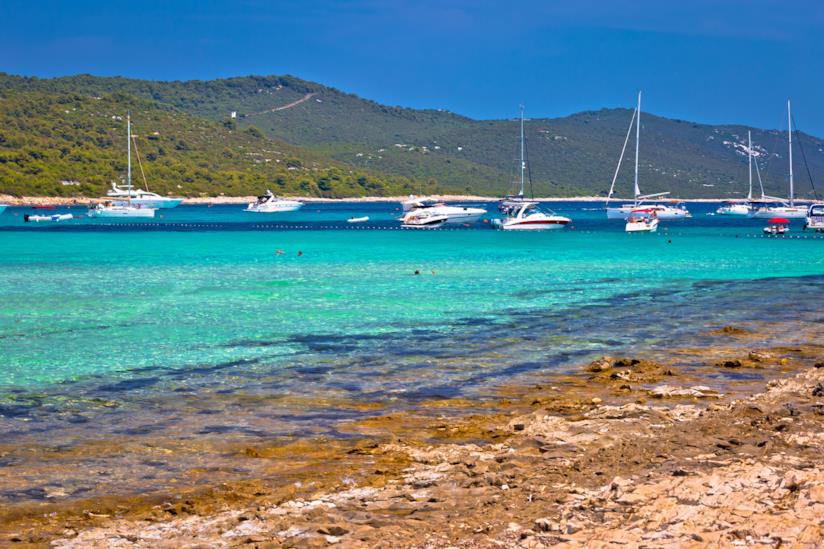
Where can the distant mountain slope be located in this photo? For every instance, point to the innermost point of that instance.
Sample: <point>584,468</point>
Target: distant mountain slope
<point>571,155</point>
<point>74,145</point>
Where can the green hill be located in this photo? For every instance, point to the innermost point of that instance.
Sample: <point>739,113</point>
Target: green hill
<point>69,144</point>
<point>570,155</point>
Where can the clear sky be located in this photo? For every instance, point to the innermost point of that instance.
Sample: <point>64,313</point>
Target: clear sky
<point>701,60</point>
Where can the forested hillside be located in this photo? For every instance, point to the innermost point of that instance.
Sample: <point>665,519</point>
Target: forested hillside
<point>428,149</point>
<point>72,144</point>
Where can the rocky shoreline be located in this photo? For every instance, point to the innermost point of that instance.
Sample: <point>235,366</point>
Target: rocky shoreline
<point>633,454</point>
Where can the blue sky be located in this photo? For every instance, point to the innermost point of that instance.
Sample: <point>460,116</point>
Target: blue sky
<point>709,61</point>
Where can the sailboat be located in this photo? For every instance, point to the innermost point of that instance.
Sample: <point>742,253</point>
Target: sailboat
<point>780,207</point>
<point>119,209</point>
<point>742,207</point>
<point>662,211</point>
<point>522,214</point>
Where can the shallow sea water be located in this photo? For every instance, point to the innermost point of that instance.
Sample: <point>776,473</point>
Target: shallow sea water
<point>194,328</point>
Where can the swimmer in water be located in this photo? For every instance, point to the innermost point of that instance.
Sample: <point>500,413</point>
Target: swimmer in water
<point>279,252</point>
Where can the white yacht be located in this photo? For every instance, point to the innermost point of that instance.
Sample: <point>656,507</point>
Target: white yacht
<point>142,198</point>
<point>424,218</point>
<point>269,203</point>
<point>455,215</point>
<point>526,216</point>
<point>675,210</point>
<point>815,217</point>
<point>782,208</point>
<point>125,208</point>
<point>741,208</point>
<point>521,214</point>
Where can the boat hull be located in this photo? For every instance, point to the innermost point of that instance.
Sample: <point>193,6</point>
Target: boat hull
<point>154,203</point>
<point>641,227</point>
<point>736,210</point>
<point>122,212</point>
<point>274,208</point>
<point>788,212</point>
<point>537,225</point>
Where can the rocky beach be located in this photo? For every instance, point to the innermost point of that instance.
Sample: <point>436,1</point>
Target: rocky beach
<point>631,452</point>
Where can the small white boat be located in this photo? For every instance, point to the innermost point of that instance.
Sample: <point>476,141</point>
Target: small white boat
<point>526,216</point>
<point>424,219</point>
<point>675,210</point>
<point>55,217</point>
<point>815,218</point>
<point>123,208</point>
<point>642,221</point>
<point>358,219</point>
<point>778,225</point>
<point>139,197</point>
<point>269,203</point>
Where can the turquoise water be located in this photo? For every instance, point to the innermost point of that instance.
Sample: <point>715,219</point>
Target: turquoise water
<point>194,326</point>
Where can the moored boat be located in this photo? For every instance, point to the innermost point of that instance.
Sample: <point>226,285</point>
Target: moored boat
<point>424,219</point>
<point>815,217</point>
<point>269,203</point>
<point>363,219</point>
<point>641,220</point>
<point>777,225</point>
<point>38,218</point>
<point>779,207</point>
<point>124,209</point>
<point>521,214</point>
<point>527,216</point>
<point>675,210</point>
<point>139,197</point>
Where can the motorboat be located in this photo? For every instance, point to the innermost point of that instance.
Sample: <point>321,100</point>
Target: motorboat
<point>38,218</point>
<point>424,219</point>
<point>124,208</point>
<point>527,216</point>
<point>269,203</point>
<point>677,210</point>
<point>777,225</point>
<point>358,219</point>
<point>455,215</point>
<point>815,217</point>
<point>418,202</point>
<point>521,214</point>
<point>139,197</point>
<point>642,220</point>
<point>109,209</point>
<point>780,207</point>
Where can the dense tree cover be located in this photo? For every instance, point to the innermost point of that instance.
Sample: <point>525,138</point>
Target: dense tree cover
<point>573,155</point>
<point>72,144</point>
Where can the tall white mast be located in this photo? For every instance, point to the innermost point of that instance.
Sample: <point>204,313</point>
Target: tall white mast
<point>749,152</point>
<point>129,153</point>
<point>790,141</point>
<point>637,140</point>
<point>523,164</point>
